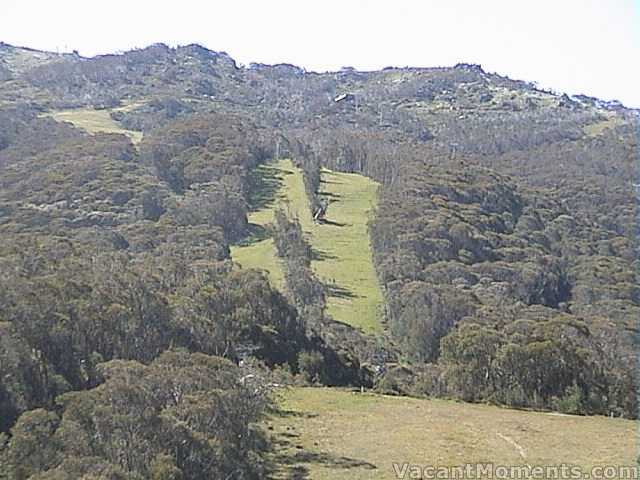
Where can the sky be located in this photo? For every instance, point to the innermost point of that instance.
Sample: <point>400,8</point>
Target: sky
<point>573,46</point>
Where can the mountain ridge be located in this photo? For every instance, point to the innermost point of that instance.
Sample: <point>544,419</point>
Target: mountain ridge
<point>44,56</point>
<point>503,238</point>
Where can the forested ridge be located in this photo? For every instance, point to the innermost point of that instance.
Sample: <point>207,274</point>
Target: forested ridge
<point>131,344</point>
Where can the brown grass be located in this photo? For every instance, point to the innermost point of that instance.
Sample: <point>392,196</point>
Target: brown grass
<point>328,433</point>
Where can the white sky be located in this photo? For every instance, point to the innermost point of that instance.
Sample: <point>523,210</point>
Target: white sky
<point>573,46</point>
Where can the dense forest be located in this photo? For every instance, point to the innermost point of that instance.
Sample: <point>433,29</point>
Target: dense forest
<point>131,344</point>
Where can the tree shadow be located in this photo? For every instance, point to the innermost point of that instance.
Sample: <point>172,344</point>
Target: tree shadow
<point>330,195</point>
<point>292,461</point>
<point>265,181</point>
<point>320,256</point>
<point>283,413</point>
<point>255,234</point>
<point>297,472</point>
<point>336,291</point>
<point>324,221</point>
<point>330,182</point>
<point>331,461</point>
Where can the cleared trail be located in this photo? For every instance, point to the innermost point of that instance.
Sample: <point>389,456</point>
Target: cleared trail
<point>342,257</point>
<point>97,121</point>
<point>258,250</point>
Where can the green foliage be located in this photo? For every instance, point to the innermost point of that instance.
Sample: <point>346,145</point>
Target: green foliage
<point>467,247</point>
<point>32,447</point>
<point>183,416</point>
<point>163,467</point>
<point>311,366</point>
<point>504,239</point>
<point>571,402</point>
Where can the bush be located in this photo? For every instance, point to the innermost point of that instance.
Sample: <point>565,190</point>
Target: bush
<point>311,365</point>
<point>571,402</point>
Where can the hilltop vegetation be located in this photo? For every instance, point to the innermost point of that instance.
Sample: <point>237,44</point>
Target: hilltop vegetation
<point>476,240</point>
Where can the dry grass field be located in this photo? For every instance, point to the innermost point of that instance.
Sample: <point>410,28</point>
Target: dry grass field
<point>325,433</point>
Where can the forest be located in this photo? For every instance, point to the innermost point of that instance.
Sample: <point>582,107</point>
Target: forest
<point>132,345</point>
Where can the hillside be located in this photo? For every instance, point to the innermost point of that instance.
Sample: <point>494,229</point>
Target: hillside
<point>95,121</point>
<point>256,251</point>
<point>330,433</point>
<point>161,275</point>
<point>342,256</point>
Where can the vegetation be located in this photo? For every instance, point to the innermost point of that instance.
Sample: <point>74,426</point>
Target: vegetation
<point>115,262</point>
<point>184,416</point>
<point>482,272</point>
<point>338,250</point>
<point>258,250</point>
<point>330,433</point>
<point>344,254</point>
<point>438,232</point>
<point>95,121</point>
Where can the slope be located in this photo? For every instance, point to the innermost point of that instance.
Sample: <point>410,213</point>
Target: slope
<point>332,433</point>
<point>94,121</point>
<point>342,251</point>
<point>258,250</point>
<point>344,260</point>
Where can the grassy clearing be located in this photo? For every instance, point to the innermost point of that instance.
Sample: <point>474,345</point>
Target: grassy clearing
<point>96,121</point>
<point>595,129</point>
<point>342,251</point>
<point>331,433</point>
<point>261,255</point>
<point>344,256</point>
<point>258,251</point>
